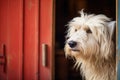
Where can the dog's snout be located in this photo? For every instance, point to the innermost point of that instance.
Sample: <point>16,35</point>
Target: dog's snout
<point>72,44</point>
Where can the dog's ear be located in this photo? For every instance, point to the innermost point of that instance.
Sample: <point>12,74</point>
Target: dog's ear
<point>111,28</point>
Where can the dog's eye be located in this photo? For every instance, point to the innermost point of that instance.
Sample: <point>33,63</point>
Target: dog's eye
<point>75,30</point>
<point>89,31</point>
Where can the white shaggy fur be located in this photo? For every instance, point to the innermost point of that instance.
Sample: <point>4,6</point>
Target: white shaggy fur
<point>94,52</point>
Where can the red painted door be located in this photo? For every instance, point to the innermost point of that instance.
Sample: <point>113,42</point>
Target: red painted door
<point>11,40</point>
<point>38,30</point>
<point>25,25</point>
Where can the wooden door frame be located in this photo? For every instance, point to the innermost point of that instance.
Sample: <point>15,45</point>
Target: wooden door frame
<point>53,42</point>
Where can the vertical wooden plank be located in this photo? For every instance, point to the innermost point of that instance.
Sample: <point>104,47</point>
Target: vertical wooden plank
<point>31,39</point>
<point>11,35</point>
<point>3,34</point>
<point>46,37</point>
<point>14,39</point>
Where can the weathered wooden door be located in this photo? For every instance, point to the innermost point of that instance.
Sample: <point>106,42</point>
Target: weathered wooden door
<point>26,40</point>
<point>38,31</point>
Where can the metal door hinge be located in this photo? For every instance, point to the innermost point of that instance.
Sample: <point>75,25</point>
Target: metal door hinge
<point>3,58</point>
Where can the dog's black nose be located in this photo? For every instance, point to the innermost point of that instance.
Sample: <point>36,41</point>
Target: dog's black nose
<point>72,44</point>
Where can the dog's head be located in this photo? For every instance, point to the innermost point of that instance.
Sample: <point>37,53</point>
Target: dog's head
<point>90,35</point>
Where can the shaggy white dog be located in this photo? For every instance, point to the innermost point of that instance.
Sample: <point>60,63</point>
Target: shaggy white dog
<point>90,42</point>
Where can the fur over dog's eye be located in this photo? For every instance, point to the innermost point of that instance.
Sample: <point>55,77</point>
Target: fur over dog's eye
<point>89,31</point>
